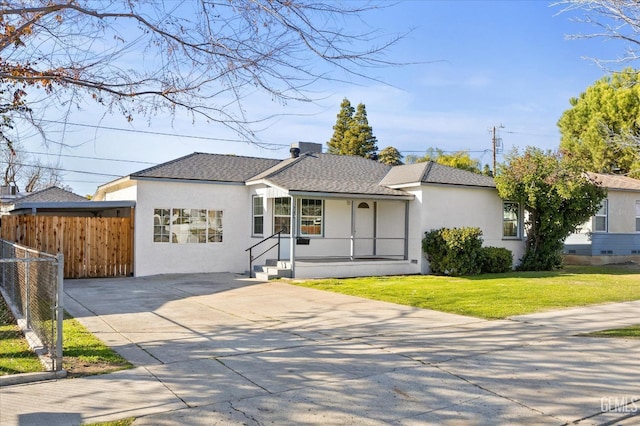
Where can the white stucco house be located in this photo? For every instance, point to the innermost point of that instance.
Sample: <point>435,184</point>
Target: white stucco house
<point>613,233</point>
<point>333,216</point>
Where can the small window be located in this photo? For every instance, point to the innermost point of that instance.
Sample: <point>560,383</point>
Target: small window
<point>638,216</point>
<point>363,205</point>
<point>282,215</point>
<point>311,217</point>
<point>511,220</point>
<point>600,219</point>
<point>161,232</point>
<point>258,216</point>
<point>214,231</point>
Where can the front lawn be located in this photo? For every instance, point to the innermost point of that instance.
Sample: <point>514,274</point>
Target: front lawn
<point>83,353</point>
<point>495,296</point>
<point>631,332</point>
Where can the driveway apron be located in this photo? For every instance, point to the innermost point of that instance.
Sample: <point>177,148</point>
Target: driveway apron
<point>225,349</point>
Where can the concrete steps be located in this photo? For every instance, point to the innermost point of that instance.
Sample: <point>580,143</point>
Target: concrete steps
<point>272,269</point>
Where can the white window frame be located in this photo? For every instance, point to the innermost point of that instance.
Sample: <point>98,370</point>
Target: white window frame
<point>600,214</point>
<point>518,221</point>
<point>283,216</point>
<point>318,219</point>
<point>257,201</point>
<point>198,226</point>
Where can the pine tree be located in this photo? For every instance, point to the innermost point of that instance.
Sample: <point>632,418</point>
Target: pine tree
<point>390,156</point>
<point>336,144</point>
<point>352,134</point>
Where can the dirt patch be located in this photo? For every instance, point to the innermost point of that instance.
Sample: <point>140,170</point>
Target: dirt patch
<point>79,368</point>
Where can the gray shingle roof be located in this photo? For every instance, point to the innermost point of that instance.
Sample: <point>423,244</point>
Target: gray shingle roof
<point>615,181</point>
<point>51,194</point>
<point>208,167</point>
<point>431,172</point>
<point>328,173</point>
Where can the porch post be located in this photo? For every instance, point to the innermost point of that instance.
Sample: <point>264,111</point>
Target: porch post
<point>406,230</point>
<point>292,238</point>
<point>375,228</point>
<point>352,248</point>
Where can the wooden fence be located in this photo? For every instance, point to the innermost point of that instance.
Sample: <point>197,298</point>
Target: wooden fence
<point>92,246</point>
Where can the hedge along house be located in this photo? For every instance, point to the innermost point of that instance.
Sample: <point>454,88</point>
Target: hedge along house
<point>613,234</point>
<point>334,216</point>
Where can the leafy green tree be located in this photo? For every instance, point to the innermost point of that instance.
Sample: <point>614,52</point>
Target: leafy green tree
<point>390,156</point>
<point>336,144</point>
<point>352,134</point>
<point>460,159</point>
<point>557,197</point>
<point>600,131</point>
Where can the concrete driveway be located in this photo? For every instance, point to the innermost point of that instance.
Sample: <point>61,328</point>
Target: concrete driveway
<point>224,349</point>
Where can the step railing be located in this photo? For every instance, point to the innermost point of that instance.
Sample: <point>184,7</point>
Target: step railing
<point>252,258</point>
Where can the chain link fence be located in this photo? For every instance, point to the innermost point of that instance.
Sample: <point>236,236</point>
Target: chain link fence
<point>31,284</point>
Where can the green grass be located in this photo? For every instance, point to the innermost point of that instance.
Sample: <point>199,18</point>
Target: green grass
<point>631,332</point>
<point>124,422</point>
<point>83,353</point>
<point>495,296</point>
<point>15,354</point>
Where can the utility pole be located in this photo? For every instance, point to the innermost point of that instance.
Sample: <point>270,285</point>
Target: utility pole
<point>496,141</point>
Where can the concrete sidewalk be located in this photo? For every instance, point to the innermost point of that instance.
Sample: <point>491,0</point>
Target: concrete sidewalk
<point>223,349</point>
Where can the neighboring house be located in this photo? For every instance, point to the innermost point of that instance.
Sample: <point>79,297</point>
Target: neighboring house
<point>339,215</point>
<point>55,201</point>
<point>53,194</point>
<point>613,234</point>
<point>96,237</point>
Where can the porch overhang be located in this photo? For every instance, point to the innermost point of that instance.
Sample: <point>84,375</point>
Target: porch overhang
<point>311,194</point>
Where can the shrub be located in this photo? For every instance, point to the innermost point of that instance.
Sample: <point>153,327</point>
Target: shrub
<point>496,260</point>
<point>454,251</point>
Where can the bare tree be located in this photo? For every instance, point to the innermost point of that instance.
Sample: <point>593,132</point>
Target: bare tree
<point>610,19</point>
<point>22,170</point>
<point>147,56</point>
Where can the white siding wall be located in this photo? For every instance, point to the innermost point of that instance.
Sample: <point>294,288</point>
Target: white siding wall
<point>622,211</point>
<point>163,258</point>
<point>621,217</point>
<point>129,193</point>
<point>457,206</point>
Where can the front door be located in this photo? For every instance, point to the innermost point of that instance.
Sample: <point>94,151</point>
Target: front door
<point>364,228</point>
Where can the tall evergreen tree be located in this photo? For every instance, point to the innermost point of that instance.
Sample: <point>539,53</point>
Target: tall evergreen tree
<point>336,144</point>
<point>390,156</point>
<point>352,134</point>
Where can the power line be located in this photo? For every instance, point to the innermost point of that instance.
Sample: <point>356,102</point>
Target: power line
<point>88,158</point>
<point>149,132</point>
<point>68,170</point>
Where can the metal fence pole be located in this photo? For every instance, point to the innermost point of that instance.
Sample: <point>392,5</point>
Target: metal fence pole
<point>57,362</point>
<point>27,304</point>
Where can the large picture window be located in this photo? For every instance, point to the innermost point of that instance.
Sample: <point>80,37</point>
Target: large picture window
<point>600,219</point>
<point>282,215</point>
<point>510,220</point>
<point>258,216</point>
<point>186,226</point>
<point>311,217</point>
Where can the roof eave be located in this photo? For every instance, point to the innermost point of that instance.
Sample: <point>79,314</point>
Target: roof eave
<point>350,195</point>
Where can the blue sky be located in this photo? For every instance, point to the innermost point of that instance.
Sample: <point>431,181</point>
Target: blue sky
<point>481,64</point>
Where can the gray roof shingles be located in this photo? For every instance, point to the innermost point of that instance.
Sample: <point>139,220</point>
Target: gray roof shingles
<point>329,173</point>
<point>208,167</point>
<point>615,181</point>
<point>51,194</point>
<point>312,172</point>
<point>431,172</point>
